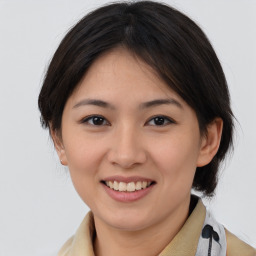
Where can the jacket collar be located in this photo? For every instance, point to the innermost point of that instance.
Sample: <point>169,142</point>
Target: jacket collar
<point>184,243</point>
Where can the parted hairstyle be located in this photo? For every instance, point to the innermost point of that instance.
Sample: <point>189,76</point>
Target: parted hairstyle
<point>164,38</point>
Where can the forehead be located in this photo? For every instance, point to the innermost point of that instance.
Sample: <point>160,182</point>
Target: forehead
<point>119,72</point>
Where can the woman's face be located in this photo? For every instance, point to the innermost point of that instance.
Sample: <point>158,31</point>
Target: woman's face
<point>124,127</point>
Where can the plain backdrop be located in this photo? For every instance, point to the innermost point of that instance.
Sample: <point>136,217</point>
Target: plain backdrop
<point>39,208</point>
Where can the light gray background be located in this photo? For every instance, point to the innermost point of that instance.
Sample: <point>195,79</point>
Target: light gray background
<point>39,208</point>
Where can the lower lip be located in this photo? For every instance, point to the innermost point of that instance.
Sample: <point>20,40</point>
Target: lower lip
<point>127,196</point>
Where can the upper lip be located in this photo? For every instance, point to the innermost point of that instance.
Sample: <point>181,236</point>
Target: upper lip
<point>127,179</point>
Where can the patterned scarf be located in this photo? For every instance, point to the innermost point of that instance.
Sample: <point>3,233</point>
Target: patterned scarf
<point>212,241</point>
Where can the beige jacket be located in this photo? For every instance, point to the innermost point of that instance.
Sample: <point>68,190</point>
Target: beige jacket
<point>184,243</point>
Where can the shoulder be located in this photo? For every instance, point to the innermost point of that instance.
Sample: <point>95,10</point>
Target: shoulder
<point>236,247</point>
<point>82,242</point>
<point>65,249</point>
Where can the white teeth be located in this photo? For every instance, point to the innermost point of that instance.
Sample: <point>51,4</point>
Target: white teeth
<point>138,185</point>
<point>122,186</point>
<point>111,185</point>
<point>116,185</point>
<point>127,187</point>
<point>131,187</point>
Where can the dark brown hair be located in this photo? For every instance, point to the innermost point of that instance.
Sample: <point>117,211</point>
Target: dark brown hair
<point>165,39</point>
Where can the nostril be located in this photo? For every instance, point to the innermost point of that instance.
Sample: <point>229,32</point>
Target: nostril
<point>126,157</point>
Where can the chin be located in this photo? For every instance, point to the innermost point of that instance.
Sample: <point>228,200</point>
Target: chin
<point>129,226</point>
<point>128,221</point>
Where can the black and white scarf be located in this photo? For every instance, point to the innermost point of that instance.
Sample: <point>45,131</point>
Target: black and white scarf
<point>212,241</point>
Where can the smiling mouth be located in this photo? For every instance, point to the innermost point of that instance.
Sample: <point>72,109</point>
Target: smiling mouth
<point>128,187</point>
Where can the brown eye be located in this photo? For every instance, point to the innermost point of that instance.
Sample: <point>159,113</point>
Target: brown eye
<point>160,121</point>
<point>95,120</point>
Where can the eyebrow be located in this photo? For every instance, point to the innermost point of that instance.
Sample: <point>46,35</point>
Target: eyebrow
<point>158,102</point>
<point>95,102</point>
<point>147,104</point>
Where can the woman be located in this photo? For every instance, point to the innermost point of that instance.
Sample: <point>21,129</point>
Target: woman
<point>138,108</point>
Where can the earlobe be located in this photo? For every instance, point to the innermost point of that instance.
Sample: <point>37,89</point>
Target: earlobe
<point>210,142</point>
<point>59,147</point>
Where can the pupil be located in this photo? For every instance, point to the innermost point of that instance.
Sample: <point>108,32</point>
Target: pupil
<point>98,120</point>
<point>159,120</point>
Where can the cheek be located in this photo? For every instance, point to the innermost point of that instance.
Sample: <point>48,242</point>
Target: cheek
<point>84,158</point>
<point>83,163</point>
<point>82,152</point>
<point>177,158</point>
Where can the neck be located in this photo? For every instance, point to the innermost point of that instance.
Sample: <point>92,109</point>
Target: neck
<point>149,241</point>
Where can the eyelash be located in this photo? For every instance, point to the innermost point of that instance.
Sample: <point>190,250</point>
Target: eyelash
<point>102,119</point>
<point>87,119</point>
<point>168,119</point>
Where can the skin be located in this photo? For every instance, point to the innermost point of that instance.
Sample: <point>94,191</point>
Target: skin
<point>128,143</point>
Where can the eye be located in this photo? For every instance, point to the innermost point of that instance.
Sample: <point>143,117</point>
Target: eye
<point>95,120</point>
<point>160,121</point>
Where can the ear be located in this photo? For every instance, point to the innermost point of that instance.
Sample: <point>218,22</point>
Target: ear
<point>210,142</point>
<point>59,147</point>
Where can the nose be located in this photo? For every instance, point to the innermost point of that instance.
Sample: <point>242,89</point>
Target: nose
<point>127,149</point>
